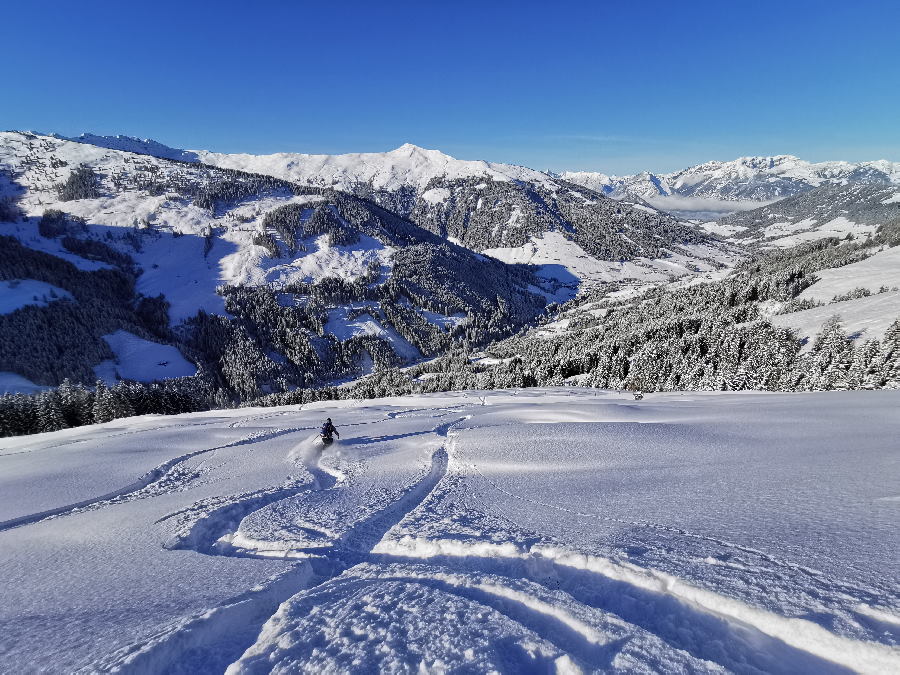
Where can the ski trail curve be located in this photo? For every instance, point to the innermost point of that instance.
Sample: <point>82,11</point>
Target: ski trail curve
<point>211,640</point>
<point>706,624</point>
<point>141,487</point>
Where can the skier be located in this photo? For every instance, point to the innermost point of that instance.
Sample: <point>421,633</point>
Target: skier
<point>326,432</point>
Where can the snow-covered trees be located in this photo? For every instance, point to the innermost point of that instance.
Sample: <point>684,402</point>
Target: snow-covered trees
<point>72,405</point>
<point>82,183</point>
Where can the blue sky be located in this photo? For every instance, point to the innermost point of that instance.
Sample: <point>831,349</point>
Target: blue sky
<point>616,87</point>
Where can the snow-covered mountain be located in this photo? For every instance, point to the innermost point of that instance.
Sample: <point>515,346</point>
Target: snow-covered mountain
<point>141,146</point>
<point>162,268</point>
<point>480,205</point>
<point>261,283</point>
<point>717,187</point>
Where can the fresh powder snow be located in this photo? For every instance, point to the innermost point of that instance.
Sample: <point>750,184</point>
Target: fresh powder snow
<point>541,530</point>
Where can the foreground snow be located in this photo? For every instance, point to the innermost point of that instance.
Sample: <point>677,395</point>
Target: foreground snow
<point>540,530</point>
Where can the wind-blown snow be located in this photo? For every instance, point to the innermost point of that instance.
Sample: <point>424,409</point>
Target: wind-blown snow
<point>18,293</point>
<point>537,530</point>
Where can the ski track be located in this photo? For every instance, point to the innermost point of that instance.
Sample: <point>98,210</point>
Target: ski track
<point>709,626</point>
<point>167,477</point>
<point>211,640</point>
<point>233,425</point>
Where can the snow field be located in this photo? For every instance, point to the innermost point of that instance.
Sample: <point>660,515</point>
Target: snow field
<point>550,530</point>
<point>566,262</point>
<point>862,318</point>
<point>18,293</point>
<point>142,360</point>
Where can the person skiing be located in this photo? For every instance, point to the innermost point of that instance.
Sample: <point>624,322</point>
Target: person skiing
<point>327,430</point>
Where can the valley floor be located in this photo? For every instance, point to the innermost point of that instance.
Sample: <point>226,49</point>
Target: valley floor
<point>558,530</point>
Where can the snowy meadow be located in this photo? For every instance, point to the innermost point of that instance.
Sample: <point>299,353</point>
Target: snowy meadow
<point>539,530</point>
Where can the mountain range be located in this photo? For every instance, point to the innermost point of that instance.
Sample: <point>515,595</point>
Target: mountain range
<point>711,189</point>
<point>127,260</point>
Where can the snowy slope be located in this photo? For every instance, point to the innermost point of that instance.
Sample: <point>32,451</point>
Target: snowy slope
<point>564,261</point>
<point>190,232</point>
<point>831,210</point>
<point>142,360</point>
<point>862,317</point>
<point>525,531</point>
<point>142,146</point>
<point>18,293</point>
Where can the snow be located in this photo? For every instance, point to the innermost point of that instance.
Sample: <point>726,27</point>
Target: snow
<point>343,328</point>
<point>11,383</point>
<point>546,530</point>
<point>864,318</point>
<point>879,270</point>
<point>791,234</point>
<point>436,195</point>
<point>442,320</point>
<point>18,293</point>
<point>144,146</point>
<point>721,229</point>
<point>393,170</point>
<point>565,261</point>
<point>892,200</point>
<point>715,188</point>
<point>142,360</point>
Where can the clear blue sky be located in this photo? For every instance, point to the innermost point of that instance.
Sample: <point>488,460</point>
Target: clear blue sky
<point>611,86</point>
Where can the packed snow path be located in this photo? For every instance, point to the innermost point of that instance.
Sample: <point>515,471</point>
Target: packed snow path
<point>527,531</point>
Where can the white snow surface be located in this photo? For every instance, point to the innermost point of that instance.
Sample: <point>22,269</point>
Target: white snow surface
<point>18,293</point>
<point>879,270</point>
<point>142,360</point>
<point>546,530</point>
<point>866,317</point>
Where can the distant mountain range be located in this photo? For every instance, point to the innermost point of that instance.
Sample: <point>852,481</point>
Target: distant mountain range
<point>714,188</point>
<point>706,191</point>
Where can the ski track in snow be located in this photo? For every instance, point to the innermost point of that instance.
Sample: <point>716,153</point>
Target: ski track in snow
<point>554,592</point>
<point>175,647</point>
<point>169,476</point>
